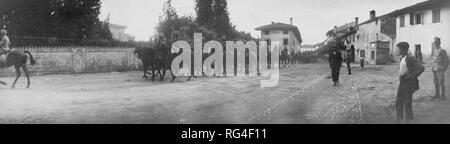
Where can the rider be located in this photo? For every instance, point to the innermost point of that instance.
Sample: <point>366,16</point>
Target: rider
<point>4,42</point>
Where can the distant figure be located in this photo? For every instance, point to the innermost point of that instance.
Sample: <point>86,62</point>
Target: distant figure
<point>361,62</point>
<point>419,55</point>
<point>335,61</point>
<point>348,59</point>
<point>410,69</point>
<point>4,42</point>
<point>440,64</point>
<point>4,48</point>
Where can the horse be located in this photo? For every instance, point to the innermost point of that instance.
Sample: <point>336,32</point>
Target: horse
<point>165,61</point>
<point>149,57</point>
<point>18,59</point>
<point>284,57</point>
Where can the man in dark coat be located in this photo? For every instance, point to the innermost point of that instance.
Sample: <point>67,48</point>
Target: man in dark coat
<point>335,60</point>
<point>410,69</point>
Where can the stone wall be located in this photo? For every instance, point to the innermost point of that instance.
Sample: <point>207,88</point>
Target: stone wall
<point>77,60</point>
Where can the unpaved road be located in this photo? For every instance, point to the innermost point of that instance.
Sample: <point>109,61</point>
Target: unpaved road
<point>304,95</point>
<point>127,98</point>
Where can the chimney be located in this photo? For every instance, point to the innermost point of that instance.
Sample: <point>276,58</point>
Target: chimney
<point>373,14</point>
<point>273,22</point>
<point>356,21</point>
<point>335,29</point>
<point>291,20</point>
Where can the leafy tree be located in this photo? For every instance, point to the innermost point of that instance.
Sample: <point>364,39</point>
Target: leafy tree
<point>73,19</point>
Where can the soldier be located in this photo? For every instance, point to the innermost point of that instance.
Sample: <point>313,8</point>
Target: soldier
<point>335,61</point>
<point>4,42</point>
<point>440,64</point>
<point>410,69</point>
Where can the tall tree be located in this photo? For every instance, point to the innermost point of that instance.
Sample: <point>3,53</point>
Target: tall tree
<point>221,22</point>
<point>204,10</point>
<point>74,19</point>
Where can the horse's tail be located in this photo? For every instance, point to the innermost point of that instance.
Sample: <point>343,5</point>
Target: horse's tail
<point>33,62</point>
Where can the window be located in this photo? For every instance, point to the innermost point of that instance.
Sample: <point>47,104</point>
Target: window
<point>418,18</point>
<point>411,19</point>
<point>266,32</point>
<point>268,42</point>
<point>285,41</point>
<point>402,21</point>
<point>285,32</point>
<point>436,15</point>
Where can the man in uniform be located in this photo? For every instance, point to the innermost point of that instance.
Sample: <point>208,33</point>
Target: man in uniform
<point>335,60</point>
<point>4,42</point>
<point>440,64</point>
<point>4,47</point>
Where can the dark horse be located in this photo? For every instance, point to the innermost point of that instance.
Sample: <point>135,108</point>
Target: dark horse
<point>18,59</point>
<point>149,58</point>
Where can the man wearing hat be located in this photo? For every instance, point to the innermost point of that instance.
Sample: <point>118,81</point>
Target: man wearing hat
<point>4,42</point>
<point>440,64</point>
<point>335,60</point>
<point>409,71</point>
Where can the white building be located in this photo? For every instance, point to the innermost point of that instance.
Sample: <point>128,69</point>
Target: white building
<point>374,39</point>
<point>287,34</point>
<point>420,23</point>
<point>118,33</point>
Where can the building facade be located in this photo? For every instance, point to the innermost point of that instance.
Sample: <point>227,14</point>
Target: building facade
<point>374,39</point>
<point>420,23</point>
<point>118,33</point>
<point>288,35</point>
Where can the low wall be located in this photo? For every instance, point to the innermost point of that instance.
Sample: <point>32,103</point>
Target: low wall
<point>76,60</point>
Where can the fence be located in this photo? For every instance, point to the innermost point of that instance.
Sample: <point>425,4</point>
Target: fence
<point>78,59</point>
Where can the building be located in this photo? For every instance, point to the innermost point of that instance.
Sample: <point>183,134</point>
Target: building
<point>420,23</point>
<point>118,33</point>
<point>287,34</point>
<point>374,38</point>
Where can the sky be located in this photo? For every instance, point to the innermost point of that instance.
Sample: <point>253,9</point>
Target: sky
<point>313,17</point>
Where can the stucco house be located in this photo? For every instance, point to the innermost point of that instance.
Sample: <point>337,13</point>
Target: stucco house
<point>118,33</point>
<point>420,23</point>
<point>374,39</point>
<point>287,34</point>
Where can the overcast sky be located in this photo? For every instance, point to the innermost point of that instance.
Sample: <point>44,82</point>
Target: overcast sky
<point>313,17</point>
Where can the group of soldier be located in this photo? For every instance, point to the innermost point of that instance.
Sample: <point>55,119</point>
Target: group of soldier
<point>410,68</point>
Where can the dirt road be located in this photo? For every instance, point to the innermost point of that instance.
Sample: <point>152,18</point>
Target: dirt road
<point>304,95</point>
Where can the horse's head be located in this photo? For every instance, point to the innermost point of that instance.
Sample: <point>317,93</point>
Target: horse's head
<point>138,52</point>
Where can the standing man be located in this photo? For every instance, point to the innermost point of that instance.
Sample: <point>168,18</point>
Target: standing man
<point>440,64</point>
<point>348,57</point>
<point>4,42</point>
<point>419,55</point>
<point>410,70</point>
<point>335,61</point>
<point>4,48</point>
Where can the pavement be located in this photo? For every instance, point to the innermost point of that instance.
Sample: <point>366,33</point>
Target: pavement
<point>305,95</point>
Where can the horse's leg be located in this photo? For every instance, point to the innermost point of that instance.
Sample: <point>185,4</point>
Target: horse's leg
<point>163,74</point>
<point>153,72</point>
<point>18,75</point>
<point>27,74</point>
<point>173,76</point>
<point>145,72</point>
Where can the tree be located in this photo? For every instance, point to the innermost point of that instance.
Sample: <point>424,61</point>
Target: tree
<point>73,19</point>
<point>204,10</point>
